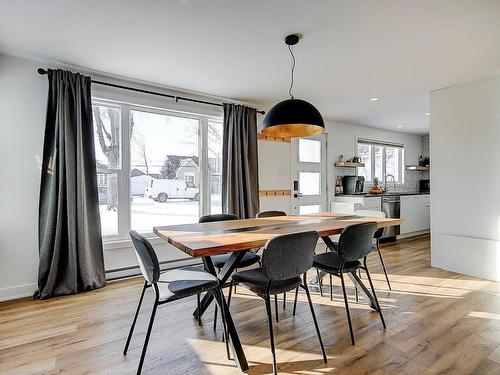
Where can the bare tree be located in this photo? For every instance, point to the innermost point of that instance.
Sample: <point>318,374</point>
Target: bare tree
<point>140,142</point>
<point>109,141</point>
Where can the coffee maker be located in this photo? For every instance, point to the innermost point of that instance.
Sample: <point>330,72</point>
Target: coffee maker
<point>353,184</point>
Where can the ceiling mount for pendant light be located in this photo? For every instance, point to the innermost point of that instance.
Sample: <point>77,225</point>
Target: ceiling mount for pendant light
<point>293,117</point>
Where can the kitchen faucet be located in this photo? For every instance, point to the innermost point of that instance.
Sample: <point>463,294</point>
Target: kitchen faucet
<point>393,182</point>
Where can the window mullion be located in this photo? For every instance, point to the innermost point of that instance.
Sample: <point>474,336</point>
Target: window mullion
<point>124,191</point>
<point>204,189</point>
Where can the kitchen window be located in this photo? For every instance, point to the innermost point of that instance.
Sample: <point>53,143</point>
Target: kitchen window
<point>155,167</point>
<point>381,159</point>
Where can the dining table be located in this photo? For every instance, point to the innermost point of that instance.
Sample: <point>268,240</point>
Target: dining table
<point>203,240</point>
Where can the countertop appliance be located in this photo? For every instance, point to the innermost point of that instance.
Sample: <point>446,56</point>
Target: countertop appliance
<point>360,184</point>
<point>349,184</point>
<point>392,208</point>
<point>352,184</point>
<point>425,186</point>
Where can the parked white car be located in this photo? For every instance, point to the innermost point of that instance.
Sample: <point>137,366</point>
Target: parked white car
<point>162,189</point>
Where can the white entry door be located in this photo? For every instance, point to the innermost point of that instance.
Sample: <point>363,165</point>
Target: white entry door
<point>309,175</point>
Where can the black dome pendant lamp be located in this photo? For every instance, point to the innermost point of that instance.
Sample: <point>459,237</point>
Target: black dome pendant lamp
<point>293,117</point>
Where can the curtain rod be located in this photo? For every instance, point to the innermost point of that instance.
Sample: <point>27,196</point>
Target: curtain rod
<point>42,71</point>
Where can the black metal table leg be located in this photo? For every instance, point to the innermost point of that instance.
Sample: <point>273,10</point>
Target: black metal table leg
<point>223,275</point>
<point>238,354</point>
<point>363,290</point>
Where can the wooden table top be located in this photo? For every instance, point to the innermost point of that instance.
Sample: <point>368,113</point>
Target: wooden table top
<point>221,237</point>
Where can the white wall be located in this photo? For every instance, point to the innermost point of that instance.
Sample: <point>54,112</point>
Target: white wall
<point>22,123</point>
<point>465,179</point>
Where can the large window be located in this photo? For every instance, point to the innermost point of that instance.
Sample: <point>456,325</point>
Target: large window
<point>155,167</point>
<point>381,159</point>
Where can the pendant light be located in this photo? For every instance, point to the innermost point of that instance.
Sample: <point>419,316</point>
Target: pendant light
<point>293,117</point>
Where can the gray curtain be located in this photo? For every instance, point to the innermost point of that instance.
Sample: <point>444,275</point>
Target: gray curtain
<point>240,173</point>
<point>70,243</point>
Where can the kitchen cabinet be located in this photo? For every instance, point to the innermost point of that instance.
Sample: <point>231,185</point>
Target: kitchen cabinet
<point>415,210</point>
<point>348,204</point>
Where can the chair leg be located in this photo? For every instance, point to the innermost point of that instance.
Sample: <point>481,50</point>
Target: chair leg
<point>347,308</point>
<point>215,312</point>
<point>146,341</point>
<point>284,301</point>
<point>271,335</point>
<point>295,300</point>
<point>223,316</point>
<point>319,283</point>
<point>276,307</point>
<point>315,321</point>
<point>199,309</point>
<point>375,296</point>
<point>230,293</point>
<point>331,288</point>
<point>135,318</point>
<point>383,267</point>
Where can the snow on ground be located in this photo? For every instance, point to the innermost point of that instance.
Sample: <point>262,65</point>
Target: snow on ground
<point>146,214</point>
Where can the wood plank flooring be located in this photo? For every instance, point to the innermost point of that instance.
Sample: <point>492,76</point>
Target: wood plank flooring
<point>437,322</point>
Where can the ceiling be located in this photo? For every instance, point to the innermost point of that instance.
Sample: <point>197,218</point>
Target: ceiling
<point>351,50</point>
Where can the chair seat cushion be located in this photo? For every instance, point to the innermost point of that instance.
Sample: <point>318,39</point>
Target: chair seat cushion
<point>330,262</point>
<point>185,282</point>
<point>257,281</point>
<point>336,247</point>
<point>248,259</point>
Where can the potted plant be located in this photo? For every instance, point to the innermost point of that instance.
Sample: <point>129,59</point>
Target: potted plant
<point>376,189</point>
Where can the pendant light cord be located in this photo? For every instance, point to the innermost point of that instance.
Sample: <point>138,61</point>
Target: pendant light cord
<point>290,90</point>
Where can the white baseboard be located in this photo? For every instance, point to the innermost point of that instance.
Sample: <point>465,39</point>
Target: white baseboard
<point>16,292</point>
<point>413,234</point>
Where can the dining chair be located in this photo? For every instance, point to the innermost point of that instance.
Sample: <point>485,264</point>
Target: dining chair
<point>285,259</point>
<point>265,214</point>
<point>355,243</point>
<point>220,260</point>
<point>376,248</point>
<point>169,286</point>
<point>378,234</point>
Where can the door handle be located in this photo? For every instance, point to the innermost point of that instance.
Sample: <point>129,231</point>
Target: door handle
<point>298,195</point>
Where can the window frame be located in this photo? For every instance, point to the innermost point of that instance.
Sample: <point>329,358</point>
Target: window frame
<point>124,178</point>
<point>383,145</point>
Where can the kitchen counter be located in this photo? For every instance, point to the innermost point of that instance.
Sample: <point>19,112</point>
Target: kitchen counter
<point>387,194</point>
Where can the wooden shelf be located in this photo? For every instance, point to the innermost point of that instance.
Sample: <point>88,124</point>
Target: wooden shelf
<point>416,168</point>
<point>347,164</point>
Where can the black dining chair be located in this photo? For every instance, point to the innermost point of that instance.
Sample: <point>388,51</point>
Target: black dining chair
<point>220,260</point>
<point>285,259</point>
<point>355,243</point>
<point>375,248</point>
<point>377,236</point>
<point>265,214</point>
<point>169,286</point>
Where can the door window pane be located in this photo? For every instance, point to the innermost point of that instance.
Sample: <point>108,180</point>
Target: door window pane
<point>309,209</point>
<point>215,130</point>
<point>309,151</point>
<point>310,183</point>
<point>164,170</point>
<point>107,125</point>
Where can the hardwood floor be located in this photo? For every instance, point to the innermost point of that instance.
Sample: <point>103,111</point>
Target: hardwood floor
<point>437,322</point>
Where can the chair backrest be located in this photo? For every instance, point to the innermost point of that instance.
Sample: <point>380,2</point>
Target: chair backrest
<point>146,256</point>
<point>217,217</point>
<point>373,213</point>
<point>289,255</point>
<point>355,241</point>
<point>270,214</point>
